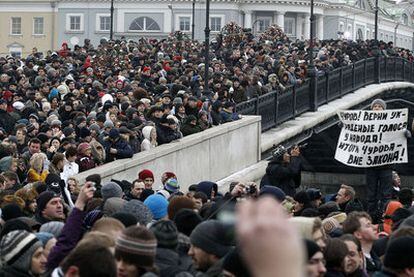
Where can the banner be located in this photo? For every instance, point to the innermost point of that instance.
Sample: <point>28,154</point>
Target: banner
<point>372,138</point>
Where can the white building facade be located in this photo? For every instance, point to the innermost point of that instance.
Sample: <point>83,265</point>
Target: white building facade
<point>82,19</point>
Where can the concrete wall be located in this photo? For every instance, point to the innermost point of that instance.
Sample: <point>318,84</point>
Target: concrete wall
<point>209,155</point>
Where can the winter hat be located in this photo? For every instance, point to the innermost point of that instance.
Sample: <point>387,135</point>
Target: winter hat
<point>167,175</point>
<point>18,105</point>
<point>5,163</point>
<point>186,220</point>
<point>275,192</point>
<point>164,193</point>
<point>329,224</point>
<point>399,254</point>
<point>52,227</point>
<point>166,233</point>
<point>95,127</point>
<point>13,225</point>
<point>141,212</point>
<point>92,217</point>
<point>311,248</point>
<point>301,197</point>
<point>67,131</point>
<point>207,187</point>
<point>43,199</point>
<point>83,147</point>
<point>144,174</point>
<point>114,133</point>
<point>11,211</point>
<point>113,205</point>
<point>137,249</point>
<point>379,102</point>
<point>111,189</point>
<point>84,132</point>
<point>171,185</point>
<point>213,237</point>
<point>314,194</point>
<point>158,205</point>
<point>44,237</point>
<point>108,124</point>
<point>126,219</point>
<point>17,249</point>
<point>234,263</point>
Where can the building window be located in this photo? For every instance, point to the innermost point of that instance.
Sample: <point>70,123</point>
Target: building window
<point>404,19</point>
<point>104,23</point>
<point>386,38</point>
<point>16,25</point>
<point>263,24</point>
<point>144,24</point>
<point>290,26</point>
<point>38,25</point>
<point>185,23</point>
<point>368,34</point>
<point>341,27</point>
<point>215,24</point>
<point>74,22</point>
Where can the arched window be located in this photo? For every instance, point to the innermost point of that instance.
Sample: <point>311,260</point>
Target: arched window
<point>144,23</point>
<point>404,19</point>
<point>360,35</point>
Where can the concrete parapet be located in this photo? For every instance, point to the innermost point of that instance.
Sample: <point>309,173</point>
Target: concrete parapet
<point>209,155</point>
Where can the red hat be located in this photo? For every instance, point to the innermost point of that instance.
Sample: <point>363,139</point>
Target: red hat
<point>144,174</point>
<point>146,68</point>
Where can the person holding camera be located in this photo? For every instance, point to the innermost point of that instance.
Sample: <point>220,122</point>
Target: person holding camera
<point>284,171</point>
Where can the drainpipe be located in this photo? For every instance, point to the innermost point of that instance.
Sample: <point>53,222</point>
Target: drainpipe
<point>52,36</point>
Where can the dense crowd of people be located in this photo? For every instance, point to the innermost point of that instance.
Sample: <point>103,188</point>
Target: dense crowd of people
<point>72,110</point>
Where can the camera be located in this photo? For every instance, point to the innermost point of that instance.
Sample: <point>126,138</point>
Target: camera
<point>251,189</point>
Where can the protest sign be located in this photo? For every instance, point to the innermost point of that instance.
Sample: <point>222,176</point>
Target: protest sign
<point>372,138</point>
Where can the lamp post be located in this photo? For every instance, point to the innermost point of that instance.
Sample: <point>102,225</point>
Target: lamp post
<point>313,99</point>
<point>192,23</point>
<point>376,22</point>
<point>111,32</point>
<point>207,50</point>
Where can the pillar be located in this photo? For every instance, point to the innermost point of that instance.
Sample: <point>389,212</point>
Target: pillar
<point>299,22</point>
<point>247,19</point>
<point>306,32</point>
<point>280,19</point>
<point>320,27</point>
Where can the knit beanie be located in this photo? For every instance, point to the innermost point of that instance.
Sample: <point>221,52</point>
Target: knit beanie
<point>399,254</point>
<point>234,263</point>
<point>158,205</point>
<point>126,219</point>
<point>5,163</point>
<point>213,237</point>
<point>144,174</point>
<point>166,233</point>
<point>167,175</point>
<point>11,211</point>
<point>44,237</point>
<point>311,248</point>
<point>13,225</point>
<point>329,224</point>
<point>113,205</point>
<point>186,220</point>
<point>52,227</point>
<point>92,217</point>
<point>274,192</point>
<point>43,199</point>
<point>83,147</point>
<point>138,209</point>
<point>111,189</point>
<point>379,102</point>
<point>142,251</point>
<point>17,249</point>
<point>172,185</point>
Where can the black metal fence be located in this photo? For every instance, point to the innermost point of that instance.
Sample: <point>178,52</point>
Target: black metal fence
<point>277,107</point>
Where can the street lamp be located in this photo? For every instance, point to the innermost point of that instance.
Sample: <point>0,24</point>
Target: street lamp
<point>111,32</point>
<point>313,99</point>
<point>207,49</point>
<point>376,22</point>
<point>193,22</point>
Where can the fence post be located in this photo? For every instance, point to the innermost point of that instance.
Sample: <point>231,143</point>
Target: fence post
<point>294,101</point>
<point>327,87</point>
<point>257,105</point>
<point>341,81</point>
<point>403,72</point>
<point>365,71</point>
<point>385,69</point>
<point>395,69</point>
<point>276,106</point>
<point>378,69</point>
<point>353,76</point>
